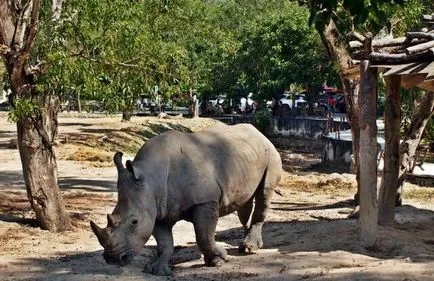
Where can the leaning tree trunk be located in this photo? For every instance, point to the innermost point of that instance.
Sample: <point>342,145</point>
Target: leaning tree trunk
<point>339,54</point>
<point>392,120</point>
<point>413,135</point>
<point>36,128</point>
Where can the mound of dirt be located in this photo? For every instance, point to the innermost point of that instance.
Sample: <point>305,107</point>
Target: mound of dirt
<point>96,141</point>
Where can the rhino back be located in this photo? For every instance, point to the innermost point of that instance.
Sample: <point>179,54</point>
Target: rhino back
<point>221,163</point>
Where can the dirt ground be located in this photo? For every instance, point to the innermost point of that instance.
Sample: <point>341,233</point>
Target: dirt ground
<point>308,235</point>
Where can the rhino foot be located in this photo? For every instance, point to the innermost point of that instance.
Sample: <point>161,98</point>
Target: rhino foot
<point>253,241</point>
<point>218,258</point>
<point>249,246</point>
<point>216,261</point>
<point>248,249</point>
<point>158,268</point>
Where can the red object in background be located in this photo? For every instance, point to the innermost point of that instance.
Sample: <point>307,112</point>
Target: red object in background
<point>331,101</point>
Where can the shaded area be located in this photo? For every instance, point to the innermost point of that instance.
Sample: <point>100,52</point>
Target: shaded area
<point>411,237</point>
<point>69,266</point>
<point>66,267</point>
<point>65,124</point>
<point>15,180</point>
<point>92,185</point>
<point>17,218</point>
<point>11,179</point>
<point>6,139</point>
<point>286,206</point>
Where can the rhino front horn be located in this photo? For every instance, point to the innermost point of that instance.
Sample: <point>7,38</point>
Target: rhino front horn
<point>99,232</point>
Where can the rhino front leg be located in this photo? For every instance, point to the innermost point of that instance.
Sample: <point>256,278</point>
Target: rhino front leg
<point>163,235</point>
<point>204,218</point>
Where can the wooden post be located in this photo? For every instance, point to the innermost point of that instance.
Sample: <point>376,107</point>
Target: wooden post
<point>368,151</point>
<point>392,119</point>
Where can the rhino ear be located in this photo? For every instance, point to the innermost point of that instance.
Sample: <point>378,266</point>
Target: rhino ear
<point>133,170</point>
<point>118,161</point>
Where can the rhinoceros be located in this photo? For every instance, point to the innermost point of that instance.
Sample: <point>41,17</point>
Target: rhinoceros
<point>197,177</point>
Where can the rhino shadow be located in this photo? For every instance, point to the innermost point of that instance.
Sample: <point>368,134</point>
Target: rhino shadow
<point>73,267</point>
<point>415,227</point>
<point>91,266</point>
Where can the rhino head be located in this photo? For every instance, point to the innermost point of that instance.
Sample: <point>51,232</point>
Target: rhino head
<point>132,221</point>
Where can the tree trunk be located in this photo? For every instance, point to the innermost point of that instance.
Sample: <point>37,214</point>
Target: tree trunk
<point>392,118</point>
<point>36,128</point>
<point>368,155</point>
<point>339,54</point>
<point>35,142</point>
<point>413,135</point>
<point>127,114</point>
<point>78,102</point>
<point>56,9</point>
<point>194,104</point>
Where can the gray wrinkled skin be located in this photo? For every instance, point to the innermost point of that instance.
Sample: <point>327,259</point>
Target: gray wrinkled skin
<point>195,177</point>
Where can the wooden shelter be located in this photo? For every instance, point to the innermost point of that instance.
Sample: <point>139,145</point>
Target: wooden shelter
<point>405,61</point>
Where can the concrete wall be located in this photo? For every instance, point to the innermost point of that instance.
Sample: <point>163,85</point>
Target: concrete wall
<point>335,150</point>
<point>306,127</point>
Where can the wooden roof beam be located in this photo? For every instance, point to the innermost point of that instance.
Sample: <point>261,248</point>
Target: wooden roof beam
<point>401,58</point>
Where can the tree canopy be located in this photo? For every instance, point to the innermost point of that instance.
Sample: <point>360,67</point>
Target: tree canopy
<point>116,51</point>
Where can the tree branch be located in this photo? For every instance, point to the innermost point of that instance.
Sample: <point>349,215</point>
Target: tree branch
<point>419,48</point>
<point>6,23</point>
<point>358,36</point>
<point>380,43</point>
<point>21,25</point>
<point>383,58</point>
<point>33,26</point>
<point>420,35</point>
<point>125,64</point>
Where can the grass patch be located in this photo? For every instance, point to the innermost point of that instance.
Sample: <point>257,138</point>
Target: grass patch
<point>333,184</point>
<point>425,194</point>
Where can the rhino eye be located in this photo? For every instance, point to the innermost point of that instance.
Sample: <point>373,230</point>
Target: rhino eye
<point>134,224</point>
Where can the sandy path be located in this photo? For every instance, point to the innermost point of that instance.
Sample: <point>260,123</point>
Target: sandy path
<point>307,237</point>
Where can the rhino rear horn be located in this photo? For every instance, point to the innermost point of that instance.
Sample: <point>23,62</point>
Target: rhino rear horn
<point>118,161</point>
<point>100,233</point>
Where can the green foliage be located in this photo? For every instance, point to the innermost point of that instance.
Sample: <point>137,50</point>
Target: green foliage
<point>262,120</point>
<point>276,47</point>
<point>24,108</point>
<point>3,76</point>
<point>359,11</point>
<point>398,16</point>
<point>116,51</point>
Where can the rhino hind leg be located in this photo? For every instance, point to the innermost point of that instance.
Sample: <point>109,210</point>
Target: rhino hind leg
<point>253,239</point>
<point>164,237</point>
<point>244,214</point>
<point>204,218</point>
